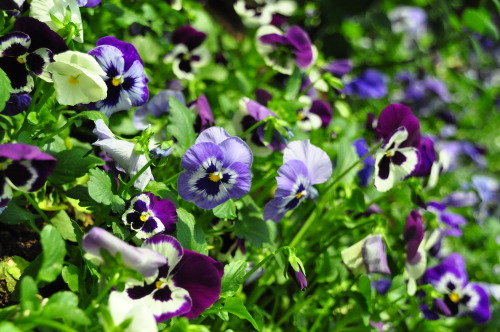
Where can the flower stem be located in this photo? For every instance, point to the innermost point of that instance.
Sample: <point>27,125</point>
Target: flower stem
<point>254,126</point>
<point>111,283</point>
<point>37,208</point>
<point>53,324</point>
<point>263,262</point>
<point>136,176</point>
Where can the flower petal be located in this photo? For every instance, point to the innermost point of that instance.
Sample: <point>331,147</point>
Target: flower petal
<point>236,150</point>
<point>318,163</point>
<point>214,135</point>
<point>168,246</point>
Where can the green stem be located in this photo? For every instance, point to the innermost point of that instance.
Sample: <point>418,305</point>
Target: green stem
<point>103,293</point>
<point>263,262</point>
<point>255,126</point>
<point>37,208</point>
<point>50,323</point>
<point>56,132</point>
<point>136,176</point>
<point>172,178</point>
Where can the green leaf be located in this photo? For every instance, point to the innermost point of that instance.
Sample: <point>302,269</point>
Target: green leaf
<point>226,210</point>
<point>236,307</point>
<point>181,126</point>
<point>70,275</point>
<point>93,115</point>
<point>346,157</point>
<point>8,327</point>
<point>29,291</point>
<point>357,201</point>
<point>72,164</point>
<point>5,87</point>
<point>253,229</point>
<point>64,305</point>
<point>15,214</point>
<point>479,20</point>
<point>54,250</point>
<point>64,225</point>
<point>293,85</point>
<point>100,190</point>
<point>366,290</point>
<point>234,273</point>
<point>11,269</point>
<point>189,233</point>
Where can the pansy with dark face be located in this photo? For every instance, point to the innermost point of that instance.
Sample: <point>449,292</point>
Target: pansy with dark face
<point>188,54</point>
<point>24,168</point>
<point>416,257</point>
<point>125,77</point>
<point>304,165</point>
<point>217,169</point>
<point>282,50</point>
<point>319,115</point>
<point>186,285</point>
<point>367,256</point>
<point>459,297</point>
<point>149,215</point>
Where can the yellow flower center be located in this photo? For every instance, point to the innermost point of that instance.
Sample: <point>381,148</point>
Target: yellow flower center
<point>117,80</point>
<point>158,284</point>
<point>302,193</point>
<point>145,216</point>
<point>300,116</point>
<point>215,176</point>
<point>186,57</point>
<point>73,80</point>
<point>454,297</point>
<point>21,59</point>
<point>389,154</point>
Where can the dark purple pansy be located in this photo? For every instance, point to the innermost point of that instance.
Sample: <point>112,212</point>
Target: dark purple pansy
<point>282,51</point>
<point>188,53</point>
<point>413,235</point>
<point>24,168</point>
<point>125,77</point>
<point>28,49</point>
<point>298,276</point>
<point>217,169</point>
<point>393,161</point>
<point>382,285</point>
<point>303,166</point>
<point>186,285</point>
<point>204,116</point>
<point>427,157</point>
<point>368,163</point>
<point>157,106</point>
<point>319,115</point>
<point>459,297</point>
<point>149,215</point>
<point>370,85</point>
<point>339,68</point>
<point>12,7</point>
<point>395,116</point>
<point>16,104</point>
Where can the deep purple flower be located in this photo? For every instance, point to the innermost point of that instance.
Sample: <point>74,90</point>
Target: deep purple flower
<point>157,106</point>
<point>16,104</point>
<point>282,51</point>
<point>149,215</point>
<point>382,285</point>
<point>451,221</point>
<point>217,169</point>
<point>28,49</point>
<point>125,77</point>
<point>204,116</point>
<point>319,115</point>
<point>427,157</point>
<point>186,285</point>
<point>12,7</point>
<point>298,276</point>
<point>339,68</point>
<point>413,235</point>
<point>368,163</point>
<point>370,85</point>
<point>397,115</point>
<point>367,255</point>
<point>24,168</point>
<point>393,162</point>
<point>459,297</point>
<point>304,165</point>
<point>188,54</point>
<point>144,260</point>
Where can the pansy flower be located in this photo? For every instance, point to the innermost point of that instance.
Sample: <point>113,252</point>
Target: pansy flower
<point>29,49</point>
<point>408,20</point>
<point>149,215</point>
<point>204,117</point>
<point>416,257</point>
<point>339,68</point>
<point>367,256</point>
<point>304,165</point>
<point>261,12</point>
<point>451,221</point>
<point>122,152</point>
<point>427,157</point>
<point>24,168</point>
<point>458,296</point>
<point>371,84</point>
<point>186,285</point>
<point>217,169</point>
<point>88,3</point>
<point>157,106</point>
<point>318,115</point>
<point>368,163</point>
<point>281,51</point>
<point>12,7</point>
<point>125,77</point>
<point>16,104</point>
<point>188,54</point>
<point>122,308</point>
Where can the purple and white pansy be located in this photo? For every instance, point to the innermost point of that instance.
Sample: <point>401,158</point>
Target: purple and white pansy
<point>367,256</point>
<point>188,54</point>
<point>125,77</point>
<point>149,215</point>
<point>303,166</point>
<point>318,115</point>
<point>24,168</point>
<point>459,296</point>
<point>282,51</point>
<point>217,169</point>
<point>186,285</point>
<point>416,257</point>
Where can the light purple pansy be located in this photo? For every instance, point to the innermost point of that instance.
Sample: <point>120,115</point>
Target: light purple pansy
<point>149,215</point>
<point>204,116</point>
<point>28,49</point>
<point>339,68</point>
<point>186,285</point>
<point>217,169</point>
<point>371,84</point>
<point>451,221</point>
<point>367,256</point>
<point>88,3</point>
<point>188,54</point>
<point>144,260</point>
<point>125,77</point>
<point>411,21</point>
<point>282,50</point>
<point>459,296</point>
<point>24,168</point>
<point>303,166</point>
<point>157,106</point>
<point>366,171</point>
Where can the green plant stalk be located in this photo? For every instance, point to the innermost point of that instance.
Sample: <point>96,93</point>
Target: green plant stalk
<point>105,291</point>
<point>50,323</point>
<point>135,177</point>
<point>255,126</point>
<point>263,262</point>
<point>37,208</point>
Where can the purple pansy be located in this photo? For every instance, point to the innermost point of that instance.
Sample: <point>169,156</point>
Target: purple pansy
<point>459,297</point>
<point>16,104</point>
<point>427,157</point>
<point>88,3</point>
<point>416,258</point>
<point>149,215</point>
<point>303,166</point>
<point>339,68</point>
<point>451,221</point>
<point>370,85</point>
<point>382,285</point>
<point>319,115</point>
<point>186,285</point>
<point>24,168</point>
<point>12,7</point>
<point>188,54</point>
<point>397,115</point>
<point>217,169</point>
<point>281,51</point>
<point>366,171</point>
<point>204,116</point>
<point>367,256</point>
<point>125,77</point>
<point>157,106</point>
<point>28,49</point>
<point>144,260</point>
<point>298,276</point>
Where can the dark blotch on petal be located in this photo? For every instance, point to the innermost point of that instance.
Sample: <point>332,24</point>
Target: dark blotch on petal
<point>164,294</point>
<point>18,174</point>
<point>398,158</point>
<point>138,292</point>
<point>383,168</point>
